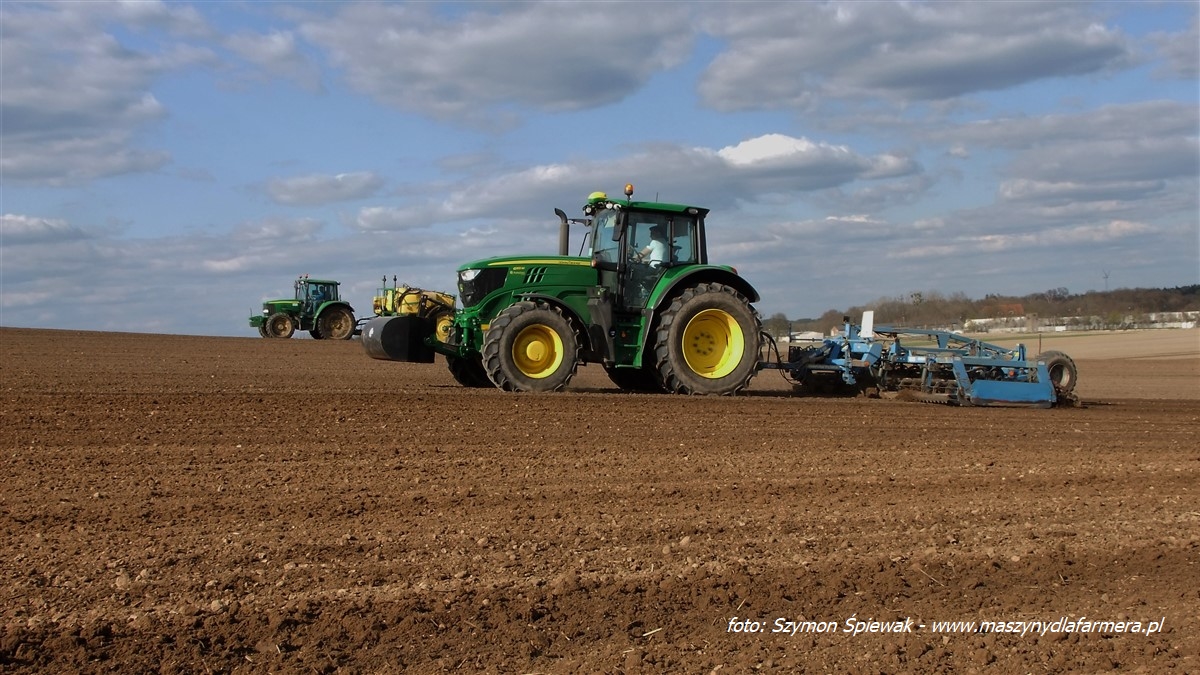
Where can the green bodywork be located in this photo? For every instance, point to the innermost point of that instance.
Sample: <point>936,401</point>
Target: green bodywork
<point>611,299</point>
<point>312,298</point>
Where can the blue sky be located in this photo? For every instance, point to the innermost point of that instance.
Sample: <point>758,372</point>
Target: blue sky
<point>167,166</point>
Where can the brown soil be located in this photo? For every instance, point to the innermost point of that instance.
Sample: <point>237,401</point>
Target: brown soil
<point>185,504</point>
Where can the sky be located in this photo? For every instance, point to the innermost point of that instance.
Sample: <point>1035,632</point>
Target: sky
<point>165,167</point>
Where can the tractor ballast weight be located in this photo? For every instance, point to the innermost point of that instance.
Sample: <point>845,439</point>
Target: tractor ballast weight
<point>405,319</point>
<point>398,338</point>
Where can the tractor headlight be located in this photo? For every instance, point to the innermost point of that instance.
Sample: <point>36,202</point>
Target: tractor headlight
<point>468,275</point>
<point>266,311</point>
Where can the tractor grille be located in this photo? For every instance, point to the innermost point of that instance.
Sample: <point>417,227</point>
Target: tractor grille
<point>535,275</point>
<point>478,288</point>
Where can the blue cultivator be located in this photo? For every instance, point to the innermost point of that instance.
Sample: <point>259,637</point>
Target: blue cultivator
<point>930,365</point>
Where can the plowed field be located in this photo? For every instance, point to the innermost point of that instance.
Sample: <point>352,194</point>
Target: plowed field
<point>188,504</point>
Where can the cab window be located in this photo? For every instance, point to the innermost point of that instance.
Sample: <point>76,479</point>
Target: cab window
<point>603,242</point>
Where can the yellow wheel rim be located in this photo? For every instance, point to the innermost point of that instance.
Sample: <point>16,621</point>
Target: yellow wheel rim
<point>537,351</point>
<point>713,343</point>
<point>442,328</point>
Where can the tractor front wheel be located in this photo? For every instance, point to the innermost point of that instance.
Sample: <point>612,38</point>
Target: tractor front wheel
<point>262,330</point>
<point>530,347</point>
<point>279,325</point>
<point>708,341</point>
<point>336,323</point>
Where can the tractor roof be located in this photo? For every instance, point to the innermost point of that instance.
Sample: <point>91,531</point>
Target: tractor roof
<point>321,281</point>
<point>665,206</point>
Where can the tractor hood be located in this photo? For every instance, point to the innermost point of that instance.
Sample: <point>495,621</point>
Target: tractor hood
<point>481,279</point>
<point>514,261</point>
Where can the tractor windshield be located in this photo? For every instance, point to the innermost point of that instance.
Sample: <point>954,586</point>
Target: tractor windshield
<point>602,242</point>
<point>321,292</point>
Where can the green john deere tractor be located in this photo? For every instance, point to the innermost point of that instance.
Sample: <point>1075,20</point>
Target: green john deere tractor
<point>647,306</point>
<point>316,308</point>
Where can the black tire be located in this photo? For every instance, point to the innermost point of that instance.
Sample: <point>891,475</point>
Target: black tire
<point>530,347</point>
<point>316,333</point>
<point>1063,373</point>
<point>262,330</point>
<point>336,323</point>
<point>280,325</point>
<point>644,379</point>
<point>708,341</point>
<point>469,372</point>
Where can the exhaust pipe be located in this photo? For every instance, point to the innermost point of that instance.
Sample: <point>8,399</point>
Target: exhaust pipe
<point>564,234</point>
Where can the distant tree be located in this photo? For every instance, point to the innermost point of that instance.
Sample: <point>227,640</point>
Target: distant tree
<point>1092,309</point>
<point>778,325</point>
<point>830,320</point>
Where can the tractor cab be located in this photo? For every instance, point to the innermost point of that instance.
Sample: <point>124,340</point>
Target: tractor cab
<point>635,245</point>
<point>314,292</point>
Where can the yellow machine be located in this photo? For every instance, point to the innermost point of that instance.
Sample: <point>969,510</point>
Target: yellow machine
<point>382,339</point>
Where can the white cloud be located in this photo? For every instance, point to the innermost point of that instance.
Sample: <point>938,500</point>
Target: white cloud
<point>322,189</point>
<point>778,149</point>
<point>386,218</point>
<point>22,229</point>
<point>278,230</point>
<point>75,95</point>
<point>769,164</point>
<point>1056,239</point>
<point>1071,191</point>
<point>1131,121</point>
<point>1180,51</point>
<point>277,53</point>
<point>471,67</point>
<point>794,55</point>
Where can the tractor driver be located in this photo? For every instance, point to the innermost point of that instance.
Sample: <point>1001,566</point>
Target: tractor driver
<point>656,250</point>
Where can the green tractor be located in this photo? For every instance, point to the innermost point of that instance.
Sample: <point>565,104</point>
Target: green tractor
<point>644,302</point>
<point>316,308</point>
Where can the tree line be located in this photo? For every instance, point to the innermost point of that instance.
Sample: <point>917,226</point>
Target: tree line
<point>932,309</point>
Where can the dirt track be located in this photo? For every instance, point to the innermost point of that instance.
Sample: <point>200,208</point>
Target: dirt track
<point>185,504</point>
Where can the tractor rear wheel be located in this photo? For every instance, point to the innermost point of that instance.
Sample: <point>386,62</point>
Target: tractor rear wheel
<point>1063,374</point>
<point>316,333</point>
<point>336,323</point>
<point>708,341</point>
<point>280,325</point>
<point>530,347</point>
<point>469,372</point>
